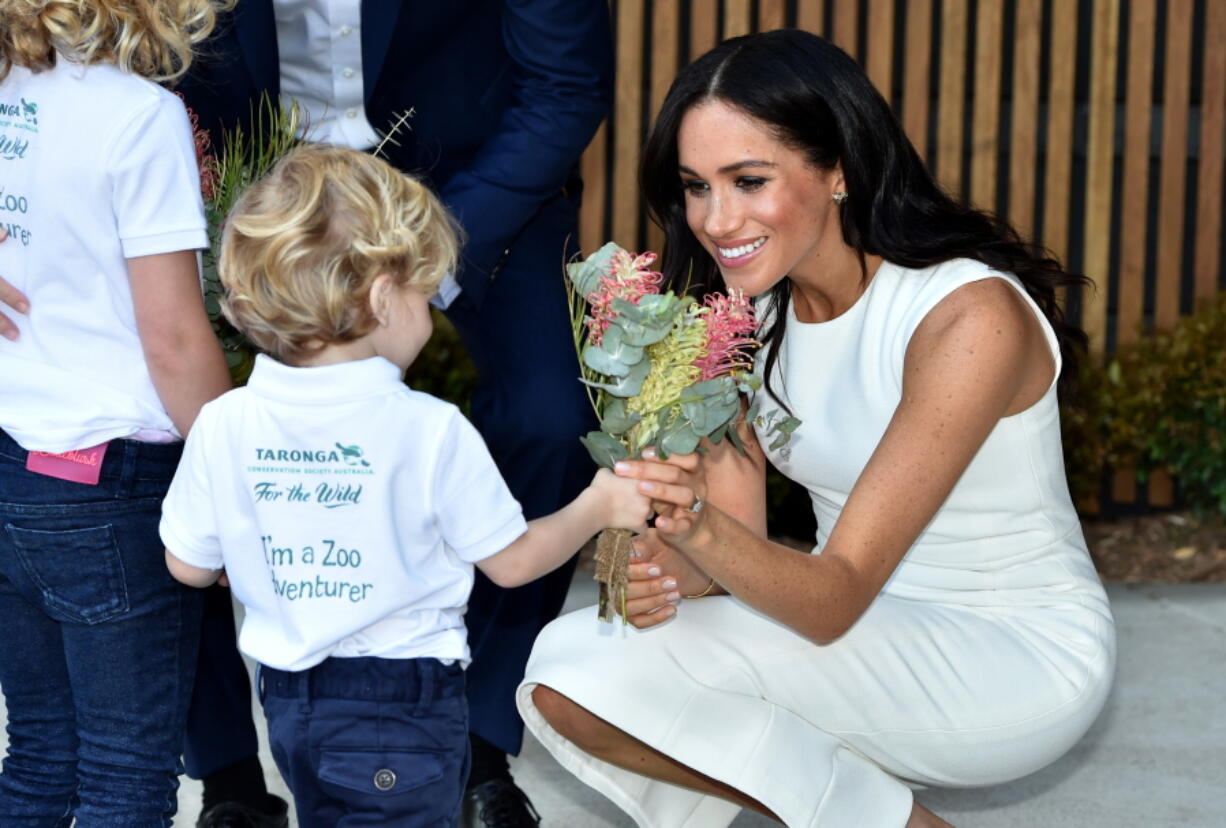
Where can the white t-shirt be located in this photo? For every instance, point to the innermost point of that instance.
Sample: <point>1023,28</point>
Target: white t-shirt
<point>96,167</point>
<point>347,510</point>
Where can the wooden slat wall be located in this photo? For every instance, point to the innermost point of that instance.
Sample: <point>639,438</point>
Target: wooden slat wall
<point>1209,228</point>
<point>1102,196</point>
<point>1058,175</point>
<point>1099,168</point>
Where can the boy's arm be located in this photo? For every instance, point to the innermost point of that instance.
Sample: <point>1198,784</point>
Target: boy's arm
<point>551,540</point>
<point>191,575</point>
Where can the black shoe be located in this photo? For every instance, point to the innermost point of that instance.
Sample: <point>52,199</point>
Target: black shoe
<point>499,803</point>
<point>272,813</point>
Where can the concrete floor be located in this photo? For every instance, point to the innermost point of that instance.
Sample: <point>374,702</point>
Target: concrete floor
<point>1156,757</point>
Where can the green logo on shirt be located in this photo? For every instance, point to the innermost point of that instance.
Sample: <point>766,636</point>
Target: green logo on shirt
<point>349,455</point>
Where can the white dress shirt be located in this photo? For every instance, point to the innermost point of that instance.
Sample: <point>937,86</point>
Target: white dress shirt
<point>320,45</point>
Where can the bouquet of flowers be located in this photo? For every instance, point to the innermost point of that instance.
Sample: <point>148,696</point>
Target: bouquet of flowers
<point>661,370</point>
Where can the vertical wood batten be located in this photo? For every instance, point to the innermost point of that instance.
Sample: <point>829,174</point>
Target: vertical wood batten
<point>1100,152</point>
<point>811,15</point>
<point>1058,169</point>
<point>1134,189</point>
<point>1024,116</point>
<point>738,18</point>
<point>665,53</point>
<point>880,46</point>
<point>1172,177</point>
<point>847,26</point>
<point>951,101</point>
<point>594,169</point>
<point>628,110</point>
<point>985,125</point>
<point>704,20</point>
<point>917,72</point>
<point>1172,186</point>
<point>1209,227</point>
<point>772,14</point>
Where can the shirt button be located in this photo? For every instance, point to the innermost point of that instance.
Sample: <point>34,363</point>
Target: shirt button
<point>351,113</point>
<point>346,31</point>
<point>385,779</point>
<point>348,73</point>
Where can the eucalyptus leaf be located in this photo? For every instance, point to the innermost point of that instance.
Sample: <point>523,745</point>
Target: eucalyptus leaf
<point>752,412</point>
<point>616,419</point>
<point>647,322</point>
<point>709,413</point>
<point>681,440</point>
<point>584,276</point>
<point>736,440</point>
<point>789,424</point>
<point>612,357</point>
<point>604,449</point>
<point>628,385</point>
<point>747,382</point>
<point>601,361</point>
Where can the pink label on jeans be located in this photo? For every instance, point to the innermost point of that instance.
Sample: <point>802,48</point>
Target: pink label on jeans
<point>78,466</point>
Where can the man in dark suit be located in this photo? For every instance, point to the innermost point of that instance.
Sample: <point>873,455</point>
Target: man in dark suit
<point>505,94</point>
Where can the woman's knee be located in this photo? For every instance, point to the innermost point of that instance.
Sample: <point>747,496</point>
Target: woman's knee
<point>577,724</point>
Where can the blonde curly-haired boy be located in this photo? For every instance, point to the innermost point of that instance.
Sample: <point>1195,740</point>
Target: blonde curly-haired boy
<point>347,510</point>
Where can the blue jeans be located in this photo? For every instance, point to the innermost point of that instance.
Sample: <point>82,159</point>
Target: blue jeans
<point>100,644</point>
<point>370,742</point>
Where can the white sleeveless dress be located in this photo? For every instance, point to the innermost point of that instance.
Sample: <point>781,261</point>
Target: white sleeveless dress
<point>987,655</point>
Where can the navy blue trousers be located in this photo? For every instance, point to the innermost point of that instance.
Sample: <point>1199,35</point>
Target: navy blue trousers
<point>370,742</point>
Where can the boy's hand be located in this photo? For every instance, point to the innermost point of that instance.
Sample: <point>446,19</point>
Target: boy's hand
<point>620,503</point>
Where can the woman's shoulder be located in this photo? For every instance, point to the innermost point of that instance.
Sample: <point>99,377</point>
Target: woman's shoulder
<point>911,293</point>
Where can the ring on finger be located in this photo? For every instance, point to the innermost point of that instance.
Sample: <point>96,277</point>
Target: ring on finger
<point>696,506</point>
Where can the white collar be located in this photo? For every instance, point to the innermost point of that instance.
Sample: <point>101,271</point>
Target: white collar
<point>324,384</point>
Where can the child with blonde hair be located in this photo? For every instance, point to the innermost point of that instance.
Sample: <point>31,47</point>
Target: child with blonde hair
<point>347,510</point>
<point>102,371</point>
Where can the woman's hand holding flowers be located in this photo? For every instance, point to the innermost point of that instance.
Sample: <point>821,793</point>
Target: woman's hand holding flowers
<point>677,488</point>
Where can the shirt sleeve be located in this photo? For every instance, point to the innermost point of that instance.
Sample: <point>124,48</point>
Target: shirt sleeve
<point>189,521</point>
<point>155,182</point>
<point>476,512</point>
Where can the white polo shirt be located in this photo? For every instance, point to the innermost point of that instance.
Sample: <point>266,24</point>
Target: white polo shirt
<point>96,167</point>
<point>347,510</point>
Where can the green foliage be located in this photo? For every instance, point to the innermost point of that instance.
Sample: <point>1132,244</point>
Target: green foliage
<point>245,158</point>
<point>443,368</point>
<point>1159,403</point>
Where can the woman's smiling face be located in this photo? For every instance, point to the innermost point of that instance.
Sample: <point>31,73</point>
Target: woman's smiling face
<point>759,207</point>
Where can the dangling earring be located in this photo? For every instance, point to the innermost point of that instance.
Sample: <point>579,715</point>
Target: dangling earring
<point>839,197</point>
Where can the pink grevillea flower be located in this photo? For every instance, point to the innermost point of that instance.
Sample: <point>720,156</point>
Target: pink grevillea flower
<point>205,159</point>
<point>629,278</point>
<point>730,327</point>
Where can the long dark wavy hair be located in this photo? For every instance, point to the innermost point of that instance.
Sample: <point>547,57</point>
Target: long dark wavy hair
<point>818,100</point>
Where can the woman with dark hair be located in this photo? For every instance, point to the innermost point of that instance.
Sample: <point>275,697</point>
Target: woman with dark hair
<point>949,628</point>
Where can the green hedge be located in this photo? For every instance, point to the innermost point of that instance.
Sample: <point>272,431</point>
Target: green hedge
<point>1158,403</point>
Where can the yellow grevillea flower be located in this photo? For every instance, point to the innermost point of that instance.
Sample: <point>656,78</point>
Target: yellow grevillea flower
<point>672,371</point>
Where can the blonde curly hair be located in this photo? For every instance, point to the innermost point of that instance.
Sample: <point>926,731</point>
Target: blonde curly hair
<point>303,246</point>
<point>150,38</point>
